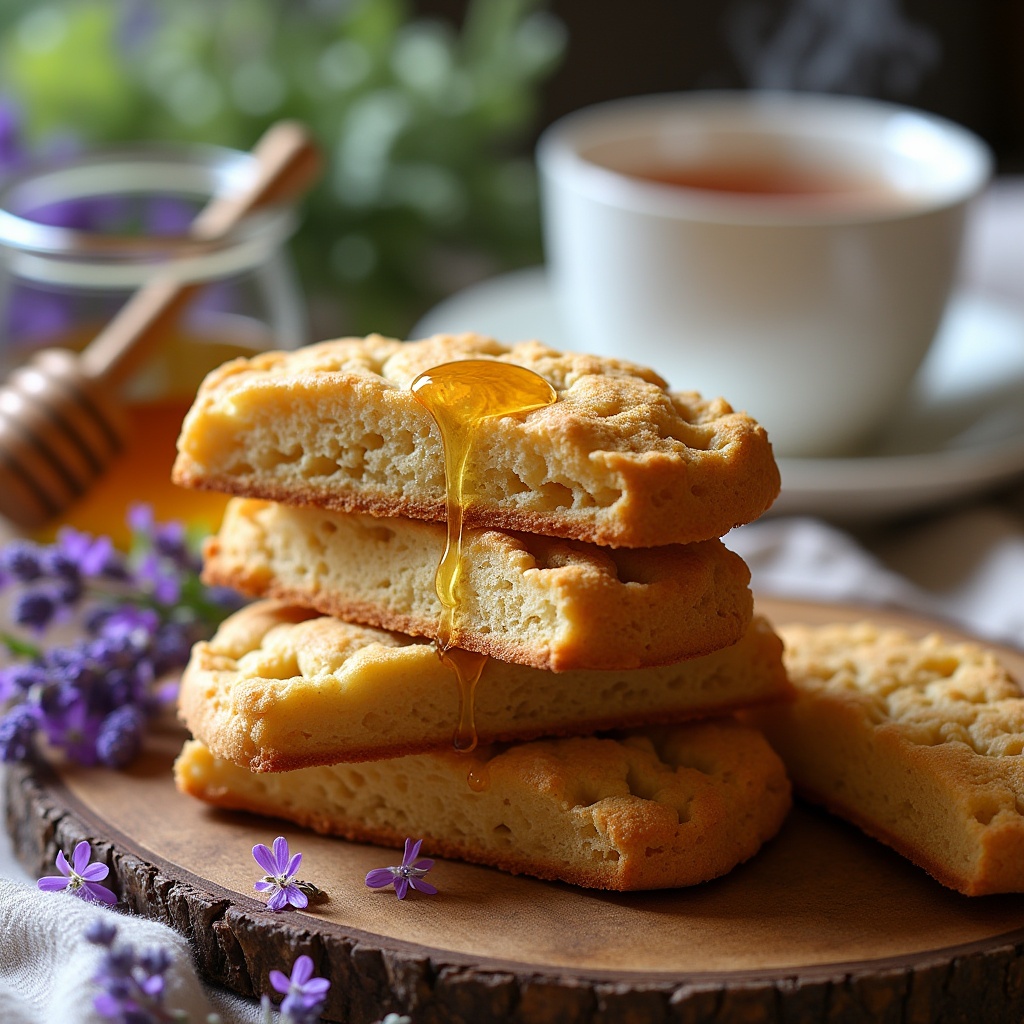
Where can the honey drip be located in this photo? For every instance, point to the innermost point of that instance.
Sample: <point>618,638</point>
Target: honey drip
<point>460,396</point>
<point>479,778</point>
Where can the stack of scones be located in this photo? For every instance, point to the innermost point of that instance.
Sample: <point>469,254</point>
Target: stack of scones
<point>619,632</point>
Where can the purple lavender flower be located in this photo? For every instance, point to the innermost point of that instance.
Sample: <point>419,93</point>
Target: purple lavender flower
<point>101,932</point>
<point>280,875</point>
<point>131,984</point>
<point>140,615</point>
<point>17,733</point>
<point>409,872</point>
<point>73,726</point>
<point>159,579</point>
<point>120,736</point>
<point>17,680</point>
<point>80,877</point>
<point>21,559</point>
<point>304,995</point>
<point>35,609</point>
<point>91,555</point>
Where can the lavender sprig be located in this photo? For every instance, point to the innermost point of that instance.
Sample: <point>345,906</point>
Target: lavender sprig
<point>132,984</point>
<point>139,614</point>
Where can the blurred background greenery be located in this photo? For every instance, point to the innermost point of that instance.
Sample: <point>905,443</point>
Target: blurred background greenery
<point>428,109</point>
<point>425,124</point>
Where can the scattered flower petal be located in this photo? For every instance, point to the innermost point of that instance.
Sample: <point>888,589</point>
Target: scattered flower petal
<point>80,877</point>
<point>409,873</point>
<point>304,995</point>
<point>279,880</point>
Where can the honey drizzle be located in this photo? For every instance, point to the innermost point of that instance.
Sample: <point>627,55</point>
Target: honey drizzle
<point>460,396</point>
<point>479,778</point>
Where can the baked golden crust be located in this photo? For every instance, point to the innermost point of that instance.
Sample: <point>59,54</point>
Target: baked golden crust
<point>657,809</point>
<point>280,688</point>
<point>553,604</point>
<point>919,742</point>
<point>618,460</point>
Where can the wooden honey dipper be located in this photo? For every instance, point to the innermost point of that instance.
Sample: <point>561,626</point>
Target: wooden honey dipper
<point>60,418</point>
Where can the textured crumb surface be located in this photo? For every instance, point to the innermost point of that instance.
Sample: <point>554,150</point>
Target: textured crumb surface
<point>656,809</point>
<point>553,604</point>
<point>279,687</point>
<point>617,460</point>
<point>917,741</point>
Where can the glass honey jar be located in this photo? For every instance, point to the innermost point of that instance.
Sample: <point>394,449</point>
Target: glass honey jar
<point>79,237</point>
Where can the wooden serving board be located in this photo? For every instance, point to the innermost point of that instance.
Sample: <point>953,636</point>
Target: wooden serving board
<point>823,925</point>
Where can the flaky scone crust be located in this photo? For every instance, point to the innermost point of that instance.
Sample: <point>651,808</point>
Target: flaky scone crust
<point>617,460</point>
<point>917,741</point>
<point>549,603</point>
<point>656,809</point>
<point>280,688</point>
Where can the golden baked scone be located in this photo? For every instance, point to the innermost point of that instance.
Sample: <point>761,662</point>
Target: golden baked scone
<point>550,603</point>
<point>617,460</point>
<point>916,741</point>
<point>651,810</point>
<point>279,688</point>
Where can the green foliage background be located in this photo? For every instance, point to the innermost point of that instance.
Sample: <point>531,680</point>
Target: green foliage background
<point>423,123</point>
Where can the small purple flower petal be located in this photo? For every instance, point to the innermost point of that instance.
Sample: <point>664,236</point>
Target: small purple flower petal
<point>81,857</point>
<point>101,933</point>
<point>412,851</point>
<point>292,866</point>
<point>99,893</point>
<point>302,971</point>
<point>420,886</point>
<point>280,982</point>
<point>94,872</point>
<point>107,1005</point>
<point>280,855</point>
<point>265,859</point>
<point>278,901</point>
<point>379,877</point>
<point>62,864</point>
<point>141,518</point>
<point>296,897</point>
<point>53,883</point>
<point>401,887</point>
<point>264,886</point>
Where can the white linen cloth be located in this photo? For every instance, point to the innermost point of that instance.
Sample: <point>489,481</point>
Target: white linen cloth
<point>966,566</point>
<point>47,962</point>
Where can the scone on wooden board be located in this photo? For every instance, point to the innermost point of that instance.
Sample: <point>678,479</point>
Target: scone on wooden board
<point>617,460</point>
<point>919,742</point>
<point>650,810</point>
<point>553,604</point>
<point>279,688</point>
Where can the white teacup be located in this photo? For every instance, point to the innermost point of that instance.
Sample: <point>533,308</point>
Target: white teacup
<point>796,256</point>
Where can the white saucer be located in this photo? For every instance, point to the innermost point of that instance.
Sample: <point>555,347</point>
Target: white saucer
<point>960,433</point>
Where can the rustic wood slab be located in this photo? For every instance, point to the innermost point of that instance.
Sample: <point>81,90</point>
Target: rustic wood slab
<point>823,925</point>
